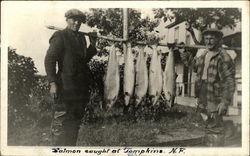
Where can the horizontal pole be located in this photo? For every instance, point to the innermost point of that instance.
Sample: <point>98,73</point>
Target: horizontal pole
<point>148,43</point>
<point>184,46</point>
<point>205,47</point>
<point>85,33</point>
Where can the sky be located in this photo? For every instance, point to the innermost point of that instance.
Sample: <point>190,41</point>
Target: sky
<point>26,31</point>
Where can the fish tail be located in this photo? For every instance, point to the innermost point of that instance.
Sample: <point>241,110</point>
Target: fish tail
<point>108,105</point>
<point>110,102</point>
<point>170,99</point>
<point>155,100</point>
<point>127,99</point>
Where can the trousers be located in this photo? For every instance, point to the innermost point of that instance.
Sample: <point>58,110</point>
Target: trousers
<point>69,107</point>
<point>66,122</point>
<point>214,127</point>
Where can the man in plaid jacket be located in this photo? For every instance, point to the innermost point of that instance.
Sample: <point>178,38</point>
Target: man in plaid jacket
<point>215,81</point>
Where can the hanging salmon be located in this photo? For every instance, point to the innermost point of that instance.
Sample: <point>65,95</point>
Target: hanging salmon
<point>129,75</point>
<point>169,84</point>
<point>112,79</point>
<point>155,76</point>
<point>141,85</point>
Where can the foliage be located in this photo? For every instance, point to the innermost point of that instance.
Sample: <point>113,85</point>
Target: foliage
<point>200,18</point>
<point>21,79</point>
<point>110,23</point>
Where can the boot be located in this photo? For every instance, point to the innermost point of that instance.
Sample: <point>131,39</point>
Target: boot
<point>214,140</point>
<point>214,135</point>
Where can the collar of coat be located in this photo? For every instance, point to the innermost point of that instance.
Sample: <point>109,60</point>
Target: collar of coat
<point>217,52</point>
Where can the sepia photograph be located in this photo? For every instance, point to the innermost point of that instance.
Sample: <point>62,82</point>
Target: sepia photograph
<point>143,78</point>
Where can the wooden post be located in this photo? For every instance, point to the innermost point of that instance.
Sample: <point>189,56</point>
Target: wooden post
<point>125,30</point>
<point>125,24</point>
<point>190,82</point>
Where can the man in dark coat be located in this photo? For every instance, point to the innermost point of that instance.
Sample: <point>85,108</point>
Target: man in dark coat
<point>69,85</point>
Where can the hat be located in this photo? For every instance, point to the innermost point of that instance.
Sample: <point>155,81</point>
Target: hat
<point>213,31</point>
<point>75,13</point>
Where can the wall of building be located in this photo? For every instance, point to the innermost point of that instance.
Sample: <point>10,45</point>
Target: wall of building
<point>182,34</point>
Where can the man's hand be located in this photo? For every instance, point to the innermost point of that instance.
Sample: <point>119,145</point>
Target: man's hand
<point>93,38</point>
<point>53,90</point>
<point>222,109</point>
<point>181,48</point>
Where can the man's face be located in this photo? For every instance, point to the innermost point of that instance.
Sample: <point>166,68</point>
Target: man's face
<point>74,23</point>
<point>212,41</point>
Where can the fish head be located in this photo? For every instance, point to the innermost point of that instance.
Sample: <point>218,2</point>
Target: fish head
<point>110,103</point>
<point>138,100</point>
<point>168,96</point>
<point>152,99</point>
<point>170,99</point>
<point>127,99</point>
<point>109,106</point>
<point>204,116</point>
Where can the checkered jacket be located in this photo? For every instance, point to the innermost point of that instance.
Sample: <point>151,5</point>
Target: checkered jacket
<point>220,76</point>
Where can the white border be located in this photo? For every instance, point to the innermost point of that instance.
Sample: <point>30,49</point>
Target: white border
<point>21,150</point>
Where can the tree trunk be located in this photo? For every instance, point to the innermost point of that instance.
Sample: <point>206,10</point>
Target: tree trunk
<point>191,30</point>
<point>193,36</point>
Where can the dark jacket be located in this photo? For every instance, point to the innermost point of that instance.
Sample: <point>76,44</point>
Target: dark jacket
<point>68,51</point>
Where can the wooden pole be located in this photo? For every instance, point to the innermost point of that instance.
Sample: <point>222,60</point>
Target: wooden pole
<point>85,33</point>
<point>125,31</point>
<point>190,82</point>
<point>125,37</point>
<point>125,24</point>
<point>185,46</point>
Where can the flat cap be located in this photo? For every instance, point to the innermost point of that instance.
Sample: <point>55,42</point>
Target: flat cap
<point>75,13</point>
<point>213,31</point>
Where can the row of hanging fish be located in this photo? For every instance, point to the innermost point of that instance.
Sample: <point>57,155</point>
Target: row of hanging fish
<point>138,80</point>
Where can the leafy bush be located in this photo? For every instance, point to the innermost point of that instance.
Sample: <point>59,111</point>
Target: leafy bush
<point>21,79</point>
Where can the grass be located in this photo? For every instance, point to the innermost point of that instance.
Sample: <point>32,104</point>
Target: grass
<point>117,130</point>
<point>141,133</point>
<point>30,135</point>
